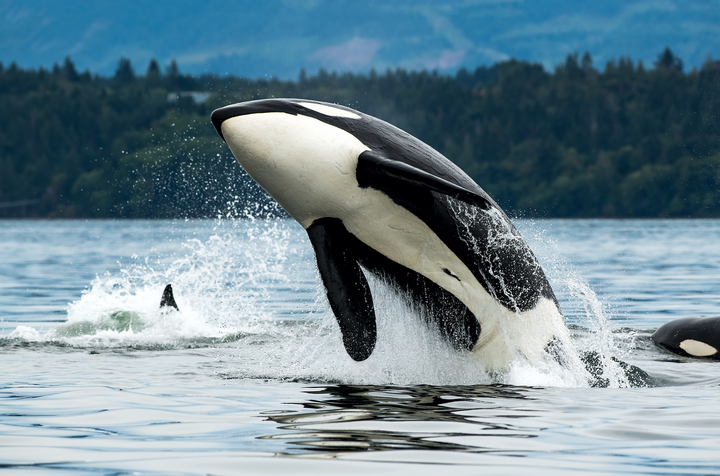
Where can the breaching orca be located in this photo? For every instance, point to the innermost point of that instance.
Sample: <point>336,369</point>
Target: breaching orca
<point>690,337</point>
<point>374,198</point>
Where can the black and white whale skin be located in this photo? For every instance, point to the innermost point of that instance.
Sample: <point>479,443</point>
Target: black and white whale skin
<point>690,337</point>
<point>375,199</point>
<point>168,298</point>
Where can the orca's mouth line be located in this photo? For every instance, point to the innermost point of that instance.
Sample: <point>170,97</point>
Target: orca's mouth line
<point>268,105</point>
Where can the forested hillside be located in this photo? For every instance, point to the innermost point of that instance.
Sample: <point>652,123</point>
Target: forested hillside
<point>624,141</point>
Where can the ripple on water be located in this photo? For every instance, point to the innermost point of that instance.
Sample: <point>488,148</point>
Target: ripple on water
<point>252,373</point>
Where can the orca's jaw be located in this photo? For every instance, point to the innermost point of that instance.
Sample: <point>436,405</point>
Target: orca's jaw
<point>251,107</point>
<point>310,179</point>
<point>304,107</point>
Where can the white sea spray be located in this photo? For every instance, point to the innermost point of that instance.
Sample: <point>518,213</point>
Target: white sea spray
<point>251,284</point>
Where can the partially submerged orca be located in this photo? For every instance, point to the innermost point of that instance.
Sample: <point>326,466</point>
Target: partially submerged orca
<point>690,337</point>
<point>119,321</point>
<point>373,198</point>
<point>168,299</point>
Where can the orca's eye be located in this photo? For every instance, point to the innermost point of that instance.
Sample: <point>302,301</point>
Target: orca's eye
<point>329,110</point>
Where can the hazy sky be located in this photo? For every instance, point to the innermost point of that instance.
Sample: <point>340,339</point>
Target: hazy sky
<point>278,38</point>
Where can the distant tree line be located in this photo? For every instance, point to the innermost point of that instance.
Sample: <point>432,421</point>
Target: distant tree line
<point>627,141</point>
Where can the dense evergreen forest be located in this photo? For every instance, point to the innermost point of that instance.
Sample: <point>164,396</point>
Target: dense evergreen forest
<point>627,141</point>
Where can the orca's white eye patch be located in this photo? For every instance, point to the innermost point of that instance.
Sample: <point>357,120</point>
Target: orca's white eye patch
<point>697,348</point>
<point>329,110</point>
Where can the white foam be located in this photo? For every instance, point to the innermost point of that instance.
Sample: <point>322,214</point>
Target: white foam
<point>592,313</point>
<point>251,278</point>
<point>217,282</point>
<point>26,333</point>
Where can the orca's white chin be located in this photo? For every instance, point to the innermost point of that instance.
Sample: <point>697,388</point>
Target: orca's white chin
<point>306,165</point>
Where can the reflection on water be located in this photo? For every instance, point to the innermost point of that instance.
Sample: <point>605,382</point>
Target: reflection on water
<point>327,423</point>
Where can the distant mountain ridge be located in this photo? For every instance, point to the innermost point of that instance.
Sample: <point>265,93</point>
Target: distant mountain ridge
<point>279,38</point>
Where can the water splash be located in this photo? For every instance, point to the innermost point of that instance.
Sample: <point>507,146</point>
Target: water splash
<point>603,352</point>
<point>602,349</point>
<point>408,351</point>
<point>250,288</point>
<point>218,284</point>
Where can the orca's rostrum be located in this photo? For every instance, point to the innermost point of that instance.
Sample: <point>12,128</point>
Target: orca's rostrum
<point>374,198</point>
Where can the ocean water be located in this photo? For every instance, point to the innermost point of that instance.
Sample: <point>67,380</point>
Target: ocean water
<point>251,377</point>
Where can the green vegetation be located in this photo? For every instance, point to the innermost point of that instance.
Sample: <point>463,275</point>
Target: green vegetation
<point>578,142</point>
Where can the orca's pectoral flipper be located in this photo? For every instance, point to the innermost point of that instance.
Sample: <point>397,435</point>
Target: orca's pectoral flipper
<point>346,286</point>
<point>373,167</point>
<point>168,300</point>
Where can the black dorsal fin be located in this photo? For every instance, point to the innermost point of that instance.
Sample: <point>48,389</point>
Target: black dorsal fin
<point>168,300</point>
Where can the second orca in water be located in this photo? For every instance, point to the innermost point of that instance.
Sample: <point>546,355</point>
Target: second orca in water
<point>373,198</point>
<point>168,299</point>
<point>119,321</point>
<point>690,337</point>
